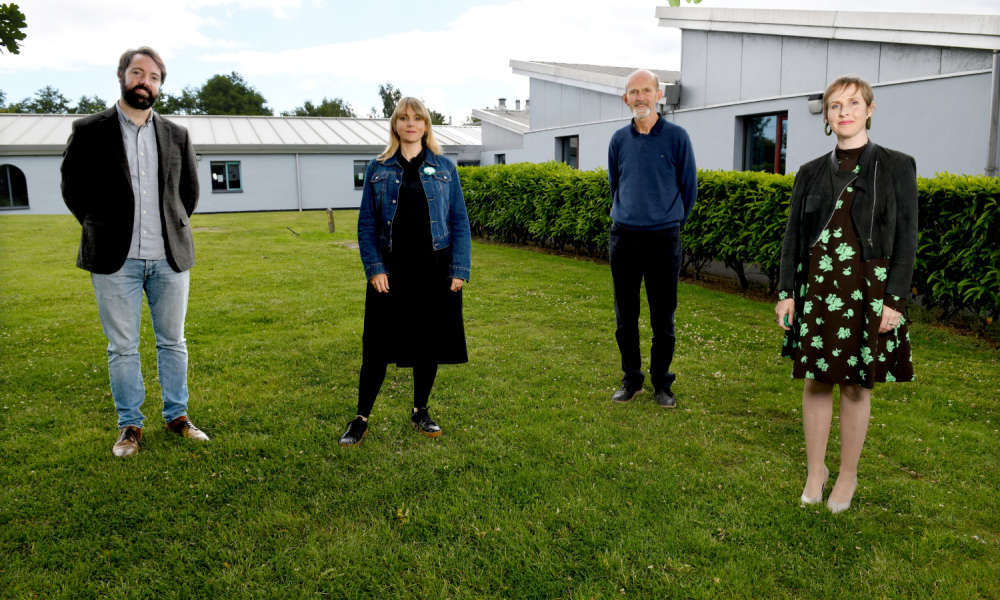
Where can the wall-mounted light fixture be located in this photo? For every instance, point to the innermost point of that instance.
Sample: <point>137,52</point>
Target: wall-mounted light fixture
<point>816,104</point>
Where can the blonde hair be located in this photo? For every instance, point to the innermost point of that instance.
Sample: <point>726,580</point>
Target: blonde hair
<point>421,111</point>
<point>844,82</point>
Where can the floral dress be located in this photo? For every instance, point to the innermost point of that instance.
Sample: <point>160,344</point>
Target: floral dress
<point>842,299</point>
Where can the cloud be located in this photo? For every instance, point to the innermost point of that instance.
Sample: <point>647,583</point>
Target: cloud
<point>69,35</point>
<point>479,44</point>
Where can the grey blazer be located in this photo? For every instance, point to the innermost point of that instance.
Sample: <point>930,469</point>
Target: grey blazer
<point>97,188</point>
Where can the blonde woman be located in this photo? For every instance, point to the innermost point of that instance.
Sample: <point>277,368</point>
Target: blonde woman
<point>415,242</point>
<point>846,264</point>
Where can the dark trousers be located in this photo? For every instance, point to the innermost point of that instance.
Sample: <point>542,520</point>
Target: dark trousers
<point>656,257</point>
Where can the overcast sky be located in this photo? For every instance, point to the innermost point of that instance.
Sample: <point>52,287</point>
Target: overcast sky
<point>453,53</point>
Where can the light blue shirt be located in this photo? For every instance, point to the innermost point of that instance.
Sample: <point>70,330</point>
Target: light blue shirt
<point>143,165</point>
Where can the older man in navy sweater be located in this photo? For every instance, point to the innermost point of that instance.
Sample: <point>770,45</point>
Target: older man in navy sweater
<point>653,187</point>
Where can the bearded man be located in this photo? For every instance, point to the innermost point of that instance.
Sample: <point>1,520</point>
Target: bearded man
<point>130,177</point>
<point>654,183</point>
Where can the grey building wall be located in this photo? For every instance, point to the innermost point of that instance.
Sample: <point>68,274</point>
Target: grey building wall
<point>558,105</point>
<point>269,182</point>
<point>42,175</point>
<point>956,145</point>
<point>498,138</point>
<point>719,67</point>
<point>542,146</point>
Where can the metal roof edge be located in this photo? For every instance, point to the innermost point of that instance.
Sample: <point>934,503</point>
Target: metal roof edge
<point>495,119</point>
<point>926,29</point>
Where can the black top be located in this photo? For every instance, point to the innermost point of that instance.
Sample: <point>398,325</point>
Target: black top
<point>411,231</point>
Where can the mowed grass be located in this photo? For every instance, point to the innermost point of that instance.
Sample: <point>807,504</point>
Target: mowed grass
<point>540,487</point>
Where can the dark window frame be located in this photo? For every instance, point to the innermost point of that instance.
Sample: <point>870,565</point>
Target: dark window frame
<point>565,147</point>
<point>359,184</point>
<point>780,141</point>
<point>9,187</point>
<point>225,164</point>
<point>499,159</point>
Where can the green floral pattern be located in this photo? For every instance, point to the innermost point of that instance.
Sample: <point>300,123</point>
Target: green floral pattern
<point>841,344</point>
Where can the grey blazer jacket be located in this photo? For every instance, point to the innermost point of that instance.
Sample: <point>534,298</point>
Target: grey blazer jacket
<point>97,188</point>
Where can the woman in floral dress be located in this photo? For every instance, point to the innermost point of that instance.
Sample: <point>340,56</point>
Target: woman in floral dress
<point>846,265</point>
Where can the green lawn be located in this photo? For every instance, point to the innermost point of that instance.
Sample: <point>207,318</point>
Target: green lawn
<point>540,487</point>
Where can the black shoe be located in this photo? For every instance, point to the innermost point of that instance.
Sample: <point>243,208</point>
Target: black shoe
<point>625,394</point>
<point>665,398</point>
<point>356,431</point>
<point>425,424</point>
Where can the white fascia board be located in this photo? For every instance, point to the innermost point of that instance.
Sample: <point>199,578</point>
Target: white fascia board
<point>588,80</point>
<point>495,119</point>
<point>960,31</point>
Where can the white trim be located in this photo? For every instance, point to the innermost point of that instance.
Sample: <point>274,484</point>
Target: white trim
<point>801,94</point>
<point>625,119</point>
<point>947,30</point>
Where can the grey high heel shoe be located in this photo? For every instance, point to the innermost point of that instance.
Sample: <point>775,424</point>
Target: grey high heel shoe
<point>819,498</point>
<point>836,507</point>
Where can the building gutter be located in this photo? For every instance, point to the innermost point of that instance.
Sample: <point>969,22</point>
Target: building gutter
<point>991,153</point>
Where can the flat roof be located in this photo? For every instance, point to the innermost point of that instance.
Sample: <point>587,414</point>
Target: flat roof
<point>48,134</point>
<point>923,29</point>
<point>518,121</point>
<point>605,79</point>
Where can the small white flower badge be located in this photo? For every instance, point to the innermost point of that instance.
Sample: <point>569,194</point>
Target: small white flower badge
<point>429,171</point>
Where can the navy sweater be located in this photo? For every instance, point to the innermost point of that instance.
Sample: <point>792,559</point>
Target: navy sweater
<point>653,177</point>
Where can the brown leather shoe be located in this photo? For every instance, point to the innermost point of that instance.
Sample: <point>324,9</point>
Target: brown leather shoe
<point>128,442</point>
<point>183,427</point>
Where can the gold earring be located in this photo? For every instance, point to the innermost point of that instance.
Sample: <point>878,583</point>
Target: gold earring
<point>827,129</point>
<point>868,124</point>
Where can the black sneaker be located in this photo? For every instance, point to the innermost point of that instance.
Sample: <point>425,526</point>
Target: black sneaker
<point>425,424</point>
<point>665,398</point>
<point>625,394</point>
<point>356,431</point>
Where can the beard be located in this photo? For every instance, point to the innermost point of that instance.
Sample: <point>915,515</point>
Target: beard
<point>135,100</point>
<point>641,112</point>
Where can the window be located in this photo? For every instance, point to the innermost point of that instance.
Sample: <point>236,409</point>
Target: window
<point>360,166</point>
<point>569,150</point>
<point>468,163</point>
<point>499,159</point>
<point>766,139</point>
<point>226,177</point>
<point>13,188</point>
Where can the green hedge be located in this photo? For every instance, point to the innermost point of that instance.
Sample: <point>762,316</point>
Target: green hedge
<point>739,220</point>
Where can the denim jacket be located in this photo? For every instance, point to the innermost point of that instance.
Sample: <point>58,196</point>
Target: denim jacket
<point>449,219</point>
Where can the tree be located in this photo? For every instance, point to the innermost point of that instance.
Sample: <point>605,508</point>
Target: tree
<point>231,95</point>
<point>327,108</point>
<point>676,3</point>
<point>11,24</point>
<point>470,120</point>
<point>390,98</point>
<point>3,101</point>
<point>48,100</point>
<point>88,106</point>
<point>184,104</point>
<point>436,117</point>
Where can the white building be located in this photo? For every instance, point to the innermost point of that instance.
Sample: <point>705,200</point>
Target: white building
<point>746,80</point>
<point>244,163</point>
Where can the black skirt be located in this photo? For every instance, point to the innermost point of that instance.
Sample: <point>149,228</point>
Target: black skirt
<point>419,321</point>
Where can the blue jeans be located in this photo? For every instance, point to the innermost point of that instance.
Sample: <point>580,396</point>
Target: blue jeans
<point>119,302</point>
<point>653,256</point>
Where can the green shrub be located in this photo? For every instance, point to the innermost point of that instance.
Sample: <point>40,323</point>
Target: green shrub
<point>739,220</point>
<point>958,253</point>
